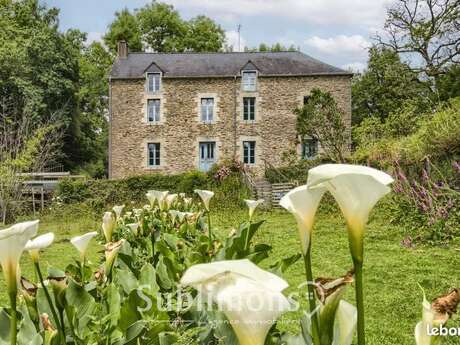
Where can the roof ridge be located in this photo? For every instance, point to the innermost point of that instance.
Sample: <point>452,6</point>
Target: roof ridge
<point>211,53</point>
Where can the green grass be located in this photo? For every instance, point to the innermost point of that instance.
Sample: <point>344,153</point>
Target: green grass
<point>392,272</point>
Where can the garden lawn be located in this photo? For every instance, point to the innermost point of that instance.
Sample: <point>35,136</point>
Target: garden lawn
<point>392,272</point>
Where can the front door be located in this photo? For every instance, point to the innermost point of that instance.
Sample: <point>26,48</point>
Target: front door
<point>207,155</point>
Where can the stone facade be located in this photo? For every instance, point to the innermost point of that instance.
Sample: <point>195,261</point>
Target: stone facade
<point>180,129</point>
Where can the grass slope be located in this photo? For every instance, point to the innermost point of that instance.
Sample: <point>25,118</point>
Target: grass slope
<point>393,299</point>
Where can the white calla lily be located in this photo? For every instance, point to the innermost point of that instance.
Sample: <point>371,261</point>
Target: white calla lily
<point>118,209</point>
<point>151,196</point>
<point>174,214</point>
<point>160,197</point>
<point>38,243</point>
<point>108,225</point>
<point>134,227</point>
<point>356,189</point>
<point>250,297</point>
<point>346,318</point>
<point>434,315</point>
<point>252,205</point>
<point>82,242</point>
<point>205,196</point>
<point>303,203</point>
<point>170,198</point>
<point>12,244</point>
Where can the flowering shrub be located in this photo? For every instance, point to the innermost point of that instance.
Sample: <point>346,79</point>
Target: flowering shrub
<point>430,202</point>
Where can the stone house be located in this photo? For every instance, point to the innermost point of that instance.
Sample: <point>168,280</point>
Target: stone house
<point>173,113</point>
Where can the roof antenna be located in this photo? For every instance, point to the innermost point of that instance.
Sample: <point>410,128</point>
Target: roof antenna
<point>239,37</point>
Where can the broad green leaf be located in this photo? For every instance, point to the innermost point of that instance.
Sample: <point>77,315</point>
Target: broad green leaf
<point>148,278</point>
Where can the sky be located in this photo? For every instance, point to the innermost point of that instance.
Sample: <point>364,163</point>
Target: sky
<point>334,31</point>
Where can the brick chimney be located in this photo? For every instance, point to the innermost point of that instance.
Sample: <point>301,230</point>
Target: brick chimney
<point>122,49</point>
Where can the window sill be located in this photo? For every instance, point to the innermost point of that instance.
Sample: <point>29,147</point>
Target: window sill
<point>207,122</point>
<point>153,93</point>
<point>249,122</point>
<point>154,167</point>
<point>154,123</point>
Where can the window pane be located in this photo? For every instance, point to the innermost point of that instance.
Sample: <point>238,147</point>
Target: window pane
<point>249,105</point>
<point>249,152</point>
<point>154,154</point>
<point>207,109</point>
<point>153,110</point>
<point>309,149</point>
<point>153,82</point>
<point>249,81</point>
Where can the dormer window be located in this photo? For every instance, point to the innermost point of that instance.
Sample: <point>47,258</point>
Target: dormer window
<point>153,82</point>
<point>249,79</point>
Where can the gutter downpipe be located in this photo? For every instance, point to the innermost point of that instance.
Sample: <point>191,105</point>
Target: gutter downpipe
<point>110,130</point>
<point>235,125</point>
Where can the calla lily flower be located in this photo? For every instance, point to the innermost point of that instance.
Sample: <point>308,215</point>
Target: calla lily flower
<point>111,252</point>
<point>118,209</point>
<point>174,214</point>
<point>205,196</point>
<point>38,243</point>
<point>134,227</point>
<point>108,225</point>
<point>250,297</point>
<point>356,189</point>
<point>151,196</point>
<point>303,203</point>
<point>160,197</point>
<point>434,315</point>
<point>12,243</point>
<point>337,318</point>
<point>82,242</point>
<point>170,198</point>
<point>252,205</point>
<point>188,201</point>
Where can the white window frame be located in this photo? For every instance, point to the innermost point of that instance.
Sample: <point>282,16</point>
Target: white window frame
<point>207,111</point>
<point>253,113</point>
<point>155,157</point>
<point>251,87</point>
<point>249,152</point>
<point>156,112</point>
<point>147,83</point>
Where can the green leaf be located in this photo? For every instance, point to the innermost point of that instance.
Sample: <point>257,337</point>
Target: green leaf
<point>168,338</point>
<point>135,330</point>
<point>148,278</point>
<point>282,265</point>
<point>163,277</point>
<point>126,279</point>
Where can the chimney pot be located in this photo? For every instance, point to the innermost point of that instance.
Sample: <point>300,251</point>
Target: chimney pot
<point>122,49</point>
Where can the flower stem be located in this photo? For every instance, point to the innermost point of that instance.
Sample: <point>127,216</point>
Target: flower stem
<point>61,316</point>
<point>14,318</point>
<point>209,230</point>
<point>311,297</point>
<point>359,300</point>
<point>48,298</point>
<point>246,243</point>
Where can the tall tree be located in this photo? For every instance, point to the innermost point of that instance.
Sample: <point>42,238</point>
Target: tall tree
<point>204,35</point>
<point>385,86</point>
<point>428,29</point>
<point>124,27</point>
<point>95,64</point>
<point>39,67</point>
<point>162,28</point>
<point>322,119</point>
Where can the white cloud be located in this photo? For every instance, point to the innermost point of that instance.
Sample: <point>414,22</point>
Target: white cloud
<point>231,39</point>
<point>324,12</point>
<point>355,67</point>
<point>94,36</point>
<point>354,45</point>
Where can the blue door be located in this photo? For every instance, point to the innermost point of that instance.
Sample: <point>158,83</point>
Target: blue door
<point>207,155</point>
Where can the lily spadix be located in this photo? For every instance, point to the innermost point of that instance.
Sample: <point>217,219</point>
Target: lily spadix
<point>337,317</point>
<point>435,315</point>
<point>250,297</point>
<point>82,242</point>
<point>252,205</point>
<point>39,243</point>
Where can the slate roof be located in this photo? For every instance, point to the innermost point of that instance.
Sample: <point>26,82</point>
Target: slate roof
<point>193,65</point>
